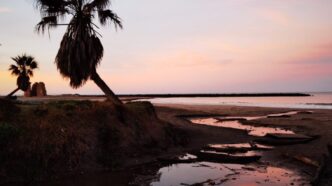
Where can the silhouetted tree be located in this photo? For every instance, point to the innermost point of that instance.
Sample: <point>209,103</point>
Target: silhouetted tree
<point>23,69</point>
<point>81,50</point>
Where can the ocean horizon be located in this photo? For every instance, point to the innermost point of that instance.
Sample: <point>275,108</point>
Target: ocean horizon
<point>315,101</point>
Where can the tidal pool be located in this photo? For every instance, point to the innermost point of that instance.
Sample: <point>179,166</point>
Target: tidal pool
<point>252,130</point>
<point>206,173</point>
<point>235,123</point>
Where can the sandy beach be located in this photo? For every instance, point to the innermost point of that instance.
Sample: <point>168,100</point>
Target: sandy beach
<point>316,123</point>
<point>304,158</point>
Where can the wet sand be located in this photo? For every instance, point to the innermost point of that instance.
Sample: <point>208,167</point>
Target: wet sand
<point>319,122</point>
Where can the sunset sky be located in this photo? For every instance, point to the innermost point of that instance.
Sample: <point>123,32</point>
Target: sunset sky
<point>188,46</point>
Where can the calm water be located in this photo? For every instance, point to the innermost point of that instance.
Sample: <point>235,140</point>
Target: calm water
<point>207,173</point>
<point>235,123</point>
<point>252,130</point>
<point>316,101</point>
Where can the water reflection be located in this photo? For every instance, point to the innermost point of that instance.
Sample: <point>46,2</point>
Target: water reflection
<point>317,101</point>
<point>235,123</point>
<point>188,174</point>
<point>206,173</point>
<point>249,118</point>
<point>252,130</point>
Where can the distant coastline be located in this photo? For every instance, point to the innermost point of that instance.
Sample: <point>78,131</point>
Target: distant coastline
<point>205,95</point>
<point>219,95</point>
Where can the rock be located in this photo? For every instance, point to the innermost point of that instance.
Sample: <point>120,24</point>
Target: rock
<point>38,89</point>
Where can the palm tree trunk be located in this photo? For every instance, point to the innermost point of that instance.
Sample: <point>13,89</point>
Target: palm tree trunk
<point>103,86</point>
<point>12,93</point>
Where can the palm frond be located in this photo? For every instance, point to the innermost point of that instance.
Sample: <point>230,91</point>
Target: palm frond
<point>108,15</point>
<point>53,6</point>
<point>78,56</point>
<point>14,70</point>
<point>13,67</point>
<point>19,60</point>
<point>30,72</point>
<point>16,59</point>
<point>100,4</point>
<point>33,65</point>
<point>29,60</point>
<point>49,22</point>
<point>25,65</point>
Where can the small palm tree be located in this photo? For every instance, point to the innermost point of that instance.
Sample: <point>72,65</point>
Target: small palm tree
<point>80,50</point>
<point>23,69</point>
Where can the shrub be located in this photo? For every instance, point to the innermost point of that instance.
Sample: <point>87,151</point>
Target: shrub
<point>7,109</point>
<point>7,133</point>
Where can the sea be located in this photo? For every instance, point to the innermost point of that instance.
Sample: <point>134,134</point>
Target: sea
<point>315,101</point>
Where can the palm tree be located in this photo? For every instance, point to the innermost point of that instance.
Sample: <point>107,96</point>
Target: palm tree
<point>80,50</point>
<point>23,69</point>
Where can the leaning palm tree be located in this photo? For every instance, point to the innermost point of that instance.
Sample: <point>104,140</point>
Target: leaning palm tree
<point>80,50</point>
<point>23,69</point>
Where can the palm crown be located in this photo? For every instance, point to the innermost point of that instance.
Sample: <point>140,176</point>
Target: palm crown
<point>23,69</point>
<point>80,49</point>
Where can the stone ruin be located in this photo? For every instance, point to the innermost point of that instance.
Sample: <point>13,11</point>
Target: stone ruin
<point>38,89</point>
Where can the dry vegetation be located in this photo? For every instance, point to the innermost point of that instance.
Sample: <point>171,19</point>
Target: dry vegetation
<point>69,137</point>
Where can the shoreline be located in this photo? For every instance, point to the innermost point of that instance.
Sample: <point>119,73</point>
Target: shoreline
<point>271,94</point>
<point>201,135</point>
<point>198,136</point>
<point>317,123</point>
<point>283,105</point>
